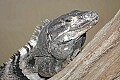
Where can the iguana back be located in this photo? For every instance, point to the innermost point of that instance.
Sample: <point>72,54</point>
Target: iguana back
<point>52,46</point>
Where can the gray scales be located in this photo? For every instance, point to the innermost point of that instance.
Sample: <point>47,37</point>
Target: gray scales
<point>51,47</point>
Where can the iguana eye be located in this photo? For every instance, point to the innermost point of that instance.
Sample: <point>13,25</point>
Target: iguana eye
<point>68,20</point>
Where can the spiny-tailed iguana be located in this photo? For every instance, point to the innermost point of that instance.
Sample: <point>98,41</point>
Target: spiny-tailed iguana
<point>50,48</point>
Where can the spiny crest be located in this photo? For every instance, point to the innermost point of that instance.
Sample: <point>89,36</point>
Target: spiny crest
<point>46,22</point>
<point>2,66</point>
<point>29,45</point>
<point>36,32</point>
<point>38,29</point>
<point>33,40</point>
<point>12,58</point>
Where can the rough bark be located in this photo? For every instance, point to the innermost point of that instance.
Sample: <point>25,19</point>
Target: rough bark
<point>100,58</point>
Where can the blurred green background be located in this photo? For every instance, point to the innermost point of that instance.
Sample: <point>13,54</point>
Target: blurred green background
<point>18,18</point>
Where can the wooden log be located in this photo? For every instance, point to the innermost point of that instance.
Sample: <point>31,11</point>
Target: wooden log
<point>100,58</point>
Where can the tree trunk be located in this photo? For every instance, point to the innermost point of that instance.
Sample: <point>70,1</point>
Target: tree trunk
<point>100,58</point>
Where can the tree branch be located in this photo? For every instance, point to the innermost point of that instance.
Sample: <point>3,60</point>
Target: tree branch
<point>100,59</point>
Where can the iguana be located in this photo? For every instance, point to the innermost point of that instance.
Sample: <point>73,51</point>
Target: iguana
<point>51,47</point>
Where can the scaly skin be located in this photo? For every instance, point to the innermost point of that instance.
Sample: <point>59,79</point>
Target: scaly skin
<point>51,47</point>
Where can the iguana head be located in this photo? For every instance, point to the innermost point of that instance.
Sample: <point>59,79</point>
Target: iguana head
<point>76,21</point>
<point>66,29</point>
